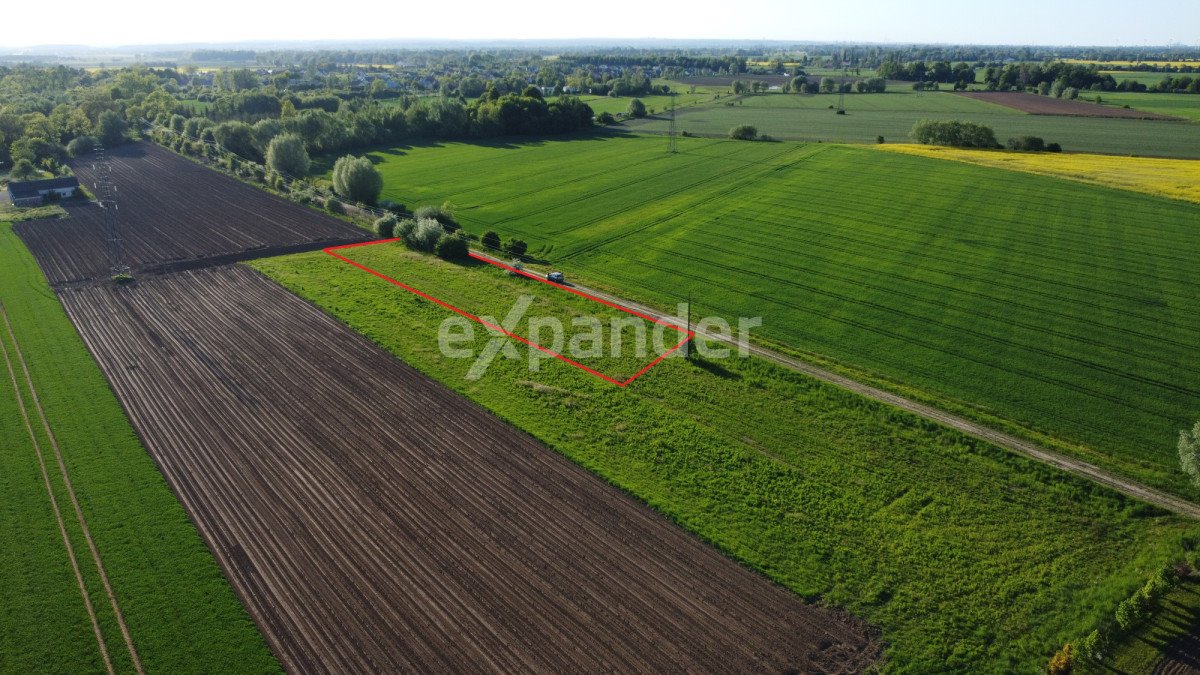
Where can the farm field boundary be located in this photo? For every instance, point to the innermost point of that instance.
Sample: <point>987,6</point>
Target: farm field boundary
<point>687,333</point>
<point>807,482</point>
<point>1171,178</point>
<point>179,610</point>
<point>414,543</point>
<point>1048,105</point>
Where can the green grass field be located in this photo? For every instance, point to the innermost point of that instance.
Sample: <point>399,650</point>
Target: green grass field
<point>1050,308</point>
<point>1146,77</point>
<point>966,556</point>
<point>181,612</point>
<point>1176,105</point>
<point>892,115</point>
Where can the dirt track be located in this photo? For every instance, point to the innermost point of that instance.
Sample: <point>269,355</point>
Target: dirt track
<point>372,520</point>
<point>172,211</point>
<point>1015,444</point>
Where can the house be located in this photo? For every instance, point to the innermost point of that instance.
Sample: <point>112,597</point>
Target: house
<point>34,192</point>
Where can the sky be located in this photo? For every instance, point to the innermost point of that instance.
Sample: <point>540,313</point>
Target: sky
<point>1047,22</point>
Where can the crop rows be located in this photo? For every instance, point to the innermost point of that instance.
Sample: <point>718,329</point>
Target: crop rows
<point>373,520</point>
<point>169,211</point>
<point>1064,308</point>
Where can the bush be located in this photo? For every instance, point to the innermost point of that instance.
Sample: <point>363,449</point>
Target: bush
<point>1062,661</point>
<point>451,247</point>
<point>357,179</point>
<point>1092,647</point>
<point>81,145</point>
<point>636,108</point>
<point>386,226</point>
<point>334,206</point>
<point>443,214</point>
<point>404,230</point>
<point>743,132</point>
<point>879,140</point>
<point>1053,147</point>
<point>420,235</point>
<point>516,247</point>
<point>1132,611</point>
<point>606,118</point>
<point>1027,144</point>
<point>389,205</point>
<point>491,241</point>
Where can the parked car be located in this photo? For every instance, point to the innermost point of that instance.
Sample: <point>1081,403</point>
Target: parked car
<point>556,277</point>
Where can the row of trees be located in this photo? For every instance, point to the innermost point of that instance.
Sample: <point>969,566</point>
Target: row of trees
<point>1066,75</point>
<point>960,74</point>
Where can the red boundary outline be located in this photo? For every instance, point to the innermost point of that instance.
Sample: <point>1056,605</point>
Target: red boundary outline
<point>688,335</point>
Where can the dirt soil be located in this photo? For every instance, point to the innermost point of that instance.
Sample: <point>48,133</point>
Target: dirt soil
<point>172,211</point>
<point>373,520</point>
<point>1047,105</point>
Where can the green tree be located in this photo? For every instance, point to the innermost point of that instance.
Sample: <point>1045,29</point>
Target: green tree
<point>357,179</point>
<point>385,227</point>
<point>286,154</point>
<point>516,247</point>
<point>24,170</point>
<point>636,108</point>
<point>1189,453</point>
<point>743,132</point>
<point>828,85</point>
<point>451,247</point>
<point>491,241</point>
<point>110,128</point>
<point>81,145</point>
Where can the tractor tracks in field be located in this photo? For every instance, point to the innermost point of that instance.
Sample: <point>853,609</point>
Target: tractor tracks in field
<point>70,489</point>
<point>1020,446</point>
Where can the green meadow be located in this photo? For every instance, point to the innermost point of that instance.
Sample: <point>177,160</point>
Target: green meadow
<point>892,115</point>
<point>966,556</point>
<point>1061,311</point>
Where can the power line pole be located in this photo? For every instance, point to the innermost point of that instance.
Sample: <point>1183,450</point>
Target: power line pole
<point>106,197</point>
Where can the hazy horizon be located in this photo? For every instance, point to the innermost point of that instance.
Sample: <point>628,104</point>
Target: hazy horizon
<point>1073,23</point>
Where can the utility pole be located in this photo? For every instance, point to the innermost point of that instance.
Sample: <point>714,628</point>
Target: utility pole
<point>106,197</point>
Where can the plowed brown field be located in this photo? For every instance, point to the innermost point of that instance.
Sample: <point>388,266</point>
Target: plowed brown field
<point>373,520</point>
<point>1048,105</point>
<point>172,212</point>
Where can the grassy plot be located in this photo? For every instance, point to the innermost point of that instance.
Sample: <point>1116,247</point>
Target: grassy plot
<point>181,613</point>
<point>1055,309</point>
<point>611,342</point>
<point>873,115</point>
<point>1173,178</point>
<point>911,101</point>
<point>1175,105</point>
<point>965,555</point>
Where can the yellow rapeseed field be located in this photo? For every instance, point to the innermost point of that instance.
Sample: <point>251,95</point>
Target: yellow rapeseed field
<point>1174,178</point>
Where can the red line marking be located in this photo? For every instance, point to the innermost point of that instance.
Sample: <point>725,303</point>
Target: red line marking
<point>688,335</point>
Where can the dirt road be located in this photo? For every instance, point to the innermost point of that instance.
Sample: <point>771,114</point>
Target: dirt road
<point>1010,442</point>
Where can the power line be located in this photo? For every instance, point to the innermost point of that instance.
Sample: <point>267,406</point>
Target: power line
<point>106,197</point>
